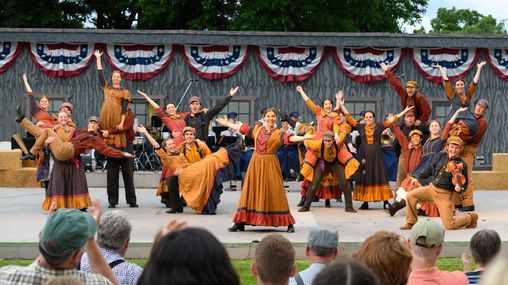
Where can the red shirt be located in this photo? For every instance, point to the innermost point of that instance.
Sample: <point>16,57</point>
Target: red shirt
<point>85,140</point>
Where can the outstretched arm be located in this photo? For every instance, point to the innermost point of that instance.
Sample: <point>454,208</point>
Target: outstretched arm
<point>27,86</point>
<point>152,141</point>
<point>301,138</point>
<point>98,55</point>
<point>476,77</point>
<point>149,100</point>
<point>224,122</point>
<point>299,89</point>
<point>339,99</point>
<point>456,114</point>
<point>442,71</point>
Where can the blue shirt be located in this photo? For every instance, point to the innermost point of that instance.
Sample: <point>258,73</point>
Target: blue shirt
<point>308,274</point>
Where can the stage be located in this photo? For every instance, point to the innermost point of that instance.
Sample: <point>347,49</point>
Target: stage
<point>21,220</point>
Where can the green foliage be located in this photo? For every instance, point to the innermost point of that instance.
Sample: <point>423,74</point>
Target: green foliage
<point>112,14</point>
<point>42,14</point>
<point>465,21</point>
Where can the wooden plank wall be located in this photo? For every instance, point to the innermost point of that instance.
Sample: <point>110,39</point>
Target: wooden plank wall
<point>254,81</point>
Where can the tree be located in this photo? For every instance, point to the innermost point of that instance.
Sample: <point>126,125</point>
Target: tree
<point>465,21</point>
<point>42,14</point>
<point>112,14</point>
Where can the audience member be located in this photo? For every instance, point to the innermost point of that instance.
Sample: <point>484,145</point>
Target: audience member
<point>388,256</point>
<point>496,273</point>
<point>348,272</point>
<point>426,244</point>
<point>64,280</point>
<point>274,260</point>
<point>321,250</point>
<point>66,235</point>
<point>189,256</point>
<point>113,236</point>
<point>485,246</point>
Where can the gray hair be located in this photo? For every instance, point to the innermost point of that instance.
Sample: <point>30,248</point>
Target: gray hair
<point>114,230</point>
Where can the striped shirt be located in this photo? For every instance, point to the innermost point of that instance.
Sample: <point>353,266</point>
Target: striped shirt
<point>126,273</point>
<point>474,276</point>
<point>36,274</point>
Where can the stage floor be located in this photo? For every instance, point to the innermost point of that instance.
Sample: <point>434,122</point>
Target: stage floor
<point>21,220</point>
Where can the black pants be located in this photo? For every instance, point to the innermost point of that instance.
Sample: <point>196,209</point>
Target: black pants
<point>113,170</point>
<point>338,169</point>
<point>175,202</point>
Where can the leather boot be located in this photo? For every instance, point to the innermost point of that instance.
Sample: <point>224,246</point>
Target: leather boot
<point>237,227</point>
<point>393,208</point>
<point>302,201</point>
<point>327,203</point>
<point>19,114</point>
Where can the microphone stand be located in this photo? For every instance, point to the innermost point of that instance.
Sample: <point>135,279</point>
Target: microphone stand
<point>185,93</point>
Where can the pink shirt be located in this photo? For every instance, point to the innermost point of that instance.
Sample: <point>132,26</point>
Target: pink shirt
<point>437,277</point>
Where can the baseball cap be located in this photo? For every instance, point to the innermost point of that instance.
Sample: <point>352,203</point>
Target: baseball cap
<point>232,115</point>
<point>430,230</point>
<point>323,238</point>
<point>68,228</point>
<point>93,118</point>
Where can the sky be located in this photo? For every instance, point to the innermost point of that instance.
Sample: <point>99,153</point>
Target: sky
<point>497,8</point>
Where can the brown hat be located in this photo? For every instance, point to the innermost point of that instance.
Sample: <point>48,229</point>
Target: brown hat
<point>194,99</point>
<point>455,140</point>
<point>68,105</point>
<point>189,129</point>
<point>412,84</point>
<point>94,119</point>
<point>482,102</point>
<point>417,132</point>
<point>328,135</point>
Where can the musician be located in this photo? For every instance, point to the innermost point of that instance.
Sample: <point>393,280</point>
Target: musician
<point>450,175</point>
<point>125,163</point>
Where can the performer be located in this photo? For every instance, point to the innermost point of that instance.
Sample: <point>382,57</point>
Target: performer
<point>460,98</point>
<point>263,201</point>
<point>169,196</point>
<point>327,120</point>
<point>126,164</point>
<point>67,187</point>
<point>372,186</point>
<point>84,140</point>
<point>450,175</point>
<point>68,108</point>
<point>196,180</point>
<point>409,96</point>
<point>114,107</point>
<point>287,155</point>
<point>471,142</point>
<point>327,152</point>
<point>200,120</point>
<point>173,120</point>
<point>39,111</point>
<point>193,149</point>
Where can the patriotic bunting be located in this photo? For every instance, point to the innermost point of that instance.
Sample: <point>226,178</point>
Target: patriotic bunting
<point>9,51</point>
<point>139,62</point>
<point>498,59</point>
<point>362,64</point>
<point>61,59</point>
<point>290,64</point>
<point>458,62</point>
<point>214,62</point>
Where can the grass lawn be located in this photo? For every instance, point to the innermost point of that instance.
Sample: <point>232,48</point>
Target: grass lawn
<point>242,266</point>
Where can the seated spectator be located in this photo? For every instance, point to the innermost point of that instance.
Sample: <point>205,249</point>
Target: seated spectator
<point>64,280</point>
<point>321,250</point>
<point>113,236</point>
<point>348,272</point>
<point>496,273</point>
<point>388,256</point>
<point>189,256</point>
<point>66,235</point>
<point>426,243</point>
<point>274,260</point>
<point>485,246</point>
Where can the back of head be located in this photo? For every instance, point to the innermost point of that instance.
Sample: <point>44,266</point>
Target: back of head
<point>426,236</point>
<point>274,259</point>
<point>64,280</point>
<point>323,242</point>
<point>346,272</point>
<point>66,231</point>
<point>114,230</point>
<point>190,256</point>
<point>496,273</point>
<point>485,245</point>
<point>388,256</point>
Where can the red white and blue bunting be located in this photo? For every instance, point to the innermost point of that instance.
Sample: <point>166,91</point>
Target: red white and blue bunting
<point>139,62</point>
<point>498,59</point>
<point>362,64</point>
<point>61,59</point>
<point>458,62</point>
<point>9,51</point>
<point>214,62</point>
<point>290,64</point>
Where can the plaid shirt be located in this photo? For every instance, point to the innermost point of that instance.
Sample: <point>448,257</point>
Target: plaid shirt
<point>36,274</point>
<point>126,273</point>
<point>308,274</point>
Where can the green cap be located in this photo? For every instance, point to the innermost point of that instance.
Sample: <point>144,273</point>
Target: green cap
<point>430,230</point>
<point>69,228</point>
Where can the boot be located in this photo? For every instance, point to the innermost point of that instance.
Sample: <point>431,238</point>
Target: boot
<point>327,203</point>
<point>364,206</point>
<point>237,227</point>
<point>392,209</point>
<point>386,205</point>
<point>291,229</point>
<point>28,156</point>
<point>19,114</point>
<point>302,201</point>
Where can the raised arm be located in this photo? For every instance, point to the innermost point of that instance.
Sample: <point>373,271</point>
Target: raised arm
<point>442,71</point>
<point>339,96</point>
<point>476,77</point>
<point>152,141</point>
<point>222,103</point>
<point>299,89</point>
<point>456,114</point>
<point>350,120</point>
<point>148,99</point>
<point>27,86</point>
<point>98,56</point>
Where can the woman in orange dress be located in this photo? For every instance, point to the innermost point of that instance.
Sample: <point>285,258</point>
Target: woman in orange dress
<point>263,201</point>
<point>114,107</point>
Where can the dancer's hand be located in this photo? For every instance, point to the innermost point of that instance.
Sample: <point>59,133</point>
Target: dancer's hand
<point>418,122</point>
<point>233,91</point>
<point>339,97</point>
<point>126,154</point>
<point>481,64</point>
<point>383,66</point>
<point>25,78</point>
<point>142,93</point>
<point>105,133</point>
<point>390,118</point>
<point>97,53</point>
<point>308,136</point>
<point>49,140</point>
<point>352,149</point>
<point>119,126</point>
<point>222,121</point>
<point>299,89</point>
<point>178,171</point>
<point>142,129</point>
